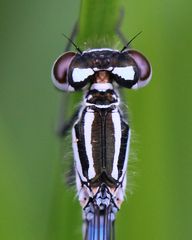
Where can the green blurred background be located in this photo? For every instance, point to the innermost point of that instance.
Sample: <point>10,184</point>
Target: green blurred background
<point>35,204</point>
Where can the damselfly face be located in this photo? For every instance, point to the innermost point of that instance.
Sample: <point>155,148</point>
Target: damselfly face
<point>73,71</point>
<point>100,134</point>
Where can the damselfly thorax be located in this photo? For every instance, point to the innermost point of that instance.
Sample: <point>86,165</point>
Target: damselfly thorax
<point>100,134</point>
<point>101,142</point>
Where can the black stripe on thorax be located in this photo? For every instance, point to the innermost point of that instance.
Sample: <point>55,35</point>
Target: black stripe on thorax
<point>79,131</point>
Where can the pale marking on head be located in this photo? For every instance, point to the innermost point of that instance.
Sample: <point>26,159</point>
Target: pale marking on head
<point>124,72</point>
<point>101,86</point>
<point>100,50</point>
<point>103,69</point>
<point>80,74</point>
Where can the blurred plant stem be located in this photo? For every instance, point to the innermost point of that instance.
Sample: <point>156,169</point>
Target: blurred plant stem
<point>97,23</point>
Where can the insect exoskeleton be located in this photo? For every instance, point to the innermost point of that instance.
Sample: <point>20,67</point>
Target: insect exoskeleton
<point>101,134</point>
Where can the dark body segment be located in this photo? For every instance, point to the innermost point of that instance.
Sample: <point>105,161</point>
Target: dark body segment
<point>103,147</point>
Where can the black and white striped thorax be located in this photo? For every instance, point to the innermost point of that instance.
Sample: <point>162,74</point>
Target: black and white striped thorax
<point>101,139</point>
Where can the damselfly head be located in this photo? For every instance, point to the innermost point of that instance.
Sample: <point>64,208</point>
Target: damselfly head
<point>74,71</point>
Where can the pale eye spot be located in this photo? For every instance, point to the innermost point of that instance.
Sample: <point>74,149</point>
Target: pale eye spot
<point>80,74</point>
<point>126,73</point>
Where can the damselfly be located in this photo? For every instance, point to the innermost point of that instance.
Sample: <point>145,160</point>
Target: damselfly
<point>100,134</point>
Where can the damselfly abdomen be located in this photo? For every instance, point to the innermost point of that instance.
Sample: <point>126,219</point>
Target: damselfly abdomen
<point>100,134</point>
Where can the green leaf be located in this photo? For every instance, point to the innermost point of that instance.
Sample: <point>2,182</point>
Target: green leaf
<point>97,22</point>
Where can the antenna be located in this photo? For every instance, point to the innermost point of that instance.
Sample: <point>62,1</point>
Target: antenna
<point>127,45</point>
<point>78,49</point>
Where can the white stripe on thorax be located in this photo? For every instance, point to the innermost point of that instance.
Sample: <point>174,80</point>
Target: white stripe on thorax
<point>126,156</point>
<point>117,134</point>
<point>76,155</point>
<point>89,118</point>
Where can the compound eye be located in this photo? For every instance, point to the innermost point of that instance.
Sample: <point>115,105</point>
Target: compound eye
<point>60,71</point>
<point>144,67</point>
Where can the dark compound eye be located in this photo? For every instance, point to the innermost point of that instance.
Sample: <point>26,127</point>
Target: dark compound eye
<point>60,71</point>
<point>144,71</point>
<point>132,70</point>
